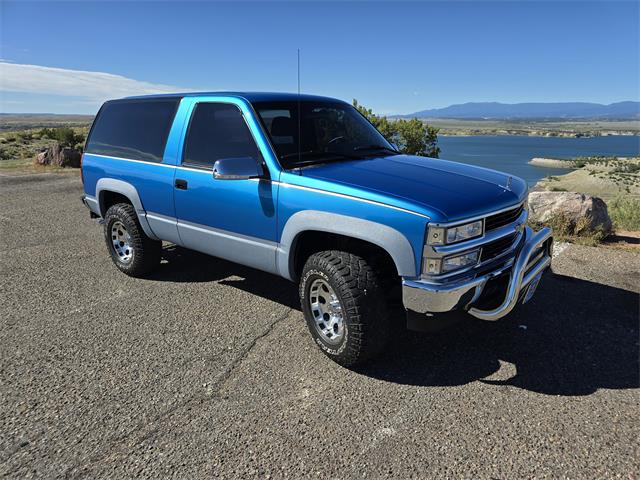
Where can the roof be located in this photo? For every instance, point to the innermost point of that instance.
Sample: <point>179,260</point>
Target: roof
<point>249,96</point>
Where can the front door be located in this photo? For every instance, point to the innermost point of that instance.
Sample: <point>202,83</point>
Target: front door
<point>232,219</point>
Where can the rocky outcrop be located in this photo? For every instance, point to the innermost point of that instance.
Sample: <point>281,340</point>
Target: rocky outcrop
<point>581,213</point>
<point>59,156</point>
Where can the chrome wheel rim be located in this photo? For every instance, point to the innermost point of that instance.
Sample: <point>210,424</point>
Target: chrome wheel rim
<point>121,242</point>
<point>326,311</point>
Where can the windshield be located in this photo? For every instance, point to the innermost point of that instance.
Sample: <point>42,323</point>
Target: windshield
<point>329,131</point>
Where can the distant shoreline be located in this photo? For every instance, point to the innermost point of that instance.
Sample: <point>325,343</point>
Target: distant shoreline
<point>558,128</point>
<point>605,177</point>
<point>537,134</point>
<point>553,163</point>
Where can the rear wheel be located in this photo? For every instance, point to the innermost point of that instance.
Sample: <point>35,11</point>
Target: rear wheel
<point>344,306</point>
<point>131,250</point>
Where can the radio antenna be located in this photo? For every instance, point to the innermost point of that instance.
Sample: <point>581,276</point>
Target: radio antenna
<point>299,113</point>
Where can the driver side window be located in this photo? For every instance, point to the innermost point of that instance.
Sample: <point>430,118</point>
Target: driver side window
<point>217,130</point>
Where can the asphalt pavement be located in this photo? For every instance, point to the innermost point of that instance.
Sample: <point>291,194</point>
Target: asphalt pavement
<point>206,369</point>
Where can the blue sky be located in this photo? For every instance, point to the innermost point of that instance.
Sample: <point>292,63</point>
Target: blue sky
<point>395,57</point>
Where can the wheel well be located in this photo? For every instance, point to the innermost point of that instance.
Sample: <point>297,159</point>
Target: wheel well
<point>108,199</point>
<point>310,242</point>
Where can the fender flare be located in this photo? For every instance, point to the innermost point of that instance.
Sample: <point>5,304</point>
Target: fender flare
<point>385,237</point>
<point>129,191</point>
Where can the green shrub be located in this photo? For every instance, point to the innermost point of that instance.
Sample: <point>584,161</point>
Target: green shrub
<point>4,154</point>
<point>625,213</point>
<point>413,137</point>
<point>25,136</point>
<point>65,136</point>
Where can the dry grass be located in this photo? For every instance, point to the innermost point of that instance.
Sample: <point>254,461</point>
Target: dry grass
<point>566,230</point>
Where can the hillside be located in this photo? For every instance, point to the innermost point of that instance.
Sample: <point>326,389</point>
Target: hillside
<point>20,121</point>
<point>559,110</point>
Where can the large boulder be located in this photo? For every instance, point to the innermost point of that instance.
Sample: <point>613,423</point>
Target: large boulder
<point>582,213</point>
<point>59,156</point>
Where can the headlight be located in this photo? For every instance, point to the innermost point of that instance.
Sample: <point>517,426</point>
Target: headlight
<point>445,236</point>
<point>460,261</point>
<point>436,266</point>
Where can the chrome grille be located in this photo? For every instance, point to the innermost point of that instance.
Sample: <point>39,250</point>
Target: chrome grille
<point>497,247</point>
<point>504,218</point>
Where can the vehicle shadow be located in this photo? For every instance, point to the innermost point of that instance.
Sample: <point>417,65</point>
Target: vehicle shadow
<point>574,338</point>
<point>184,265</point>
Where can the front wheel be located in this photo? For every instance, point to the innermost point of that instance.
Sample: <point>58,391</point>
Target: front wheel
<point>344,306</point>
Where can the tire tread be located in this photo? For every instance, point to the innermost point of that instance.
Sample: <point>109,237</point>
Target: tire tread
<point>357,284</point>
<point>147,252</point>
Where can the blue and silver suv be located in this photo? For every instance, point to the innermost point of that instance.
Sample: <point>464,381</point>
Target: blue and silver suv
<point>306,188</point>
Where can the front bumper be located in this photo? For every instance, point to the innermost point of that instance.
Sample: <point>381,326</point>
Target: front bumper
<point>533,258</point>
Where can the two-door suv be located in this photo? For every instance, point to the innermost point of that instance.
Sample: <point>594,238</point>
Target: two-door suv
<point>306,188</point>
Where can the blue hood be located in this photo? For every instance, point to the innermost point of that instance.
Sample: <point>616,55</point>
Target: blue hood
<point>446,190</point>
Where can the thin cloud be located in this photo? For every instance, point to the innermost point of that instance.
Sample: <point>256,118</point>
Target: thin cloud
<point>94,86</point>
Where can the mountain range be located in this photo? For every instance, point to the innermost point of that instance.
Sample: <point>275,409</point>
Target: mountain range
<point>561,110</point>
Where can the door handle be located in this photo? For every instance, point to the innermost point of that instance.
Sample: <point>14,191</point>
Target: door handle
<point>181,184</point>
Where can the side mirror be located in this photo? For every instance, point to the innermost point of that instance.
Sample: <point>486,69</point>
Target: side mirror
<point>239,168</point>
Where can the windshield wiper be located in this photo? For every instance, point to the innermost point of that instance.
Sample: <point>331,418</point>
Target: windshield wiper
<point>375,147</point>
<point>321,157</point>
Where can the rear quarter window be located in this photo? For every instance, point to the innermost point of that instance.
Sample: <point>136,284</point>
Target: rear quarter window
<point>136,129</point>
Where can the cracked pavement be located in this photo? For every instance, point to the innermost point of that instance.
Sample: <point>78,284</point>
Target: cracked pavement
<point>206,369</point>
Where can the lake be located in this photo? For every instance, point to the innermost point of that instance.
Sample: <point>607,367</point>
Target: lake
<point>510,153</point>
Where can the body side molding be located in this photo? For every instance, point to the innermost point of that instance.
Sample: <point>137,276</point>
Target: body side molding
<point>129,191</point>
<point>387,238</point>
<point>232,246</point>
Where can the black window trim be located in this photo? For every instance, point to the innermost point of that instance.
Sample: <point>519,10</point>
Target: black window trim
<point>197,166</point>
<point>93,124</point>
<point>178,100</point>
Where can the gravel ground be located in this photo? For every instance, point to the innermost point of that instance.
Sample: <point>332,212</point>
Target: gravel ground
<point>206,369</point>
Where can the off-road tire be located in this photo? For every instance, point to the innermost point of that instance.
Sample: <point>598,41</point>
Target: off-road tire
<point>146,251</point>
<point>364,305</point>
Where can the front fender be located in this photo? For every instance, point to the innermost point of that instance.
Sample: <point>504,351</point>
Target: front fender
<point>129,191</point>
<point>387,238</point>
